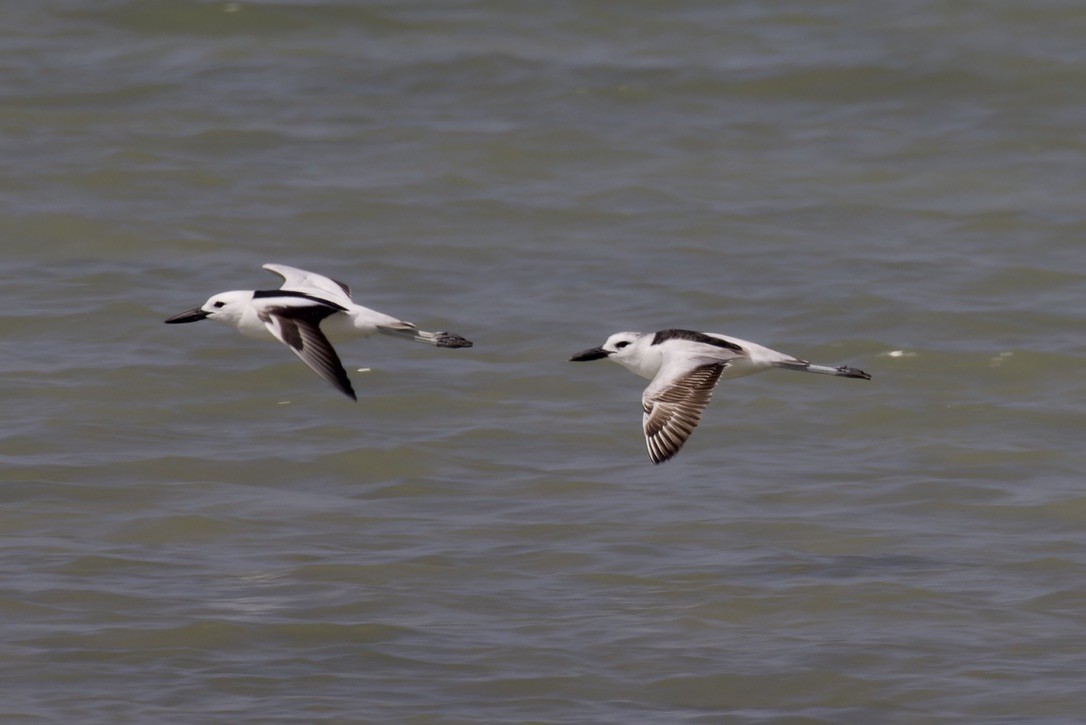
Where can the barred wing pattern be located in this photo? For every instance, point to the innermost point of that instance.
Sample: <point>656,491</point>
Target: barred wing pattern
<point>673,410</point>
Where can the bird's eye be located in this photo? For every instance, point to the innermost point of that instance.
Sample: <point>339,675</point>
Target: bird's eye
<point>620,345</point>
<point>219,304</point>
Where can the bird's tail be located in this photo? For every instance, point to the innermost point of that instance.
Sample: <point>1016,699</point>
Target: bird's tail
<point>841,371</point>
<point>407,331</point>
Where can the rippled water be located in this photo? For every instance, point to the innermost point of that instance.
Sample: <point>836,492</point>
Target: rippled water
<point>197,529</point>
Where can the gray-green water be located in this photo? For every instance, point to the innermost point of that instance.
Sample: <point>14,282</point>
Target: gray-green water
<point>196,529</point>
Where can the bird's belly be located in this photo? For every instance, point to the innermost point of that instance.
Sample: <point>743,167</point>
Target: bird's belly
<point>740,367</point>
<point>341,326</point>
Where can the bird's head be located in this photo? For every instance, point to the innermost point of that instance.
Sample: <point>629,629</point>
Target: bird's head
<point>225,307</point>
<point>621,347</point>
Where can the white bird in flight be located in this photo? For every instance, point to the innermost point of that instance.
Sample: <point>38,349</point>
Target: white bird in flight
<point>302,313</point>
<point>684,367</point>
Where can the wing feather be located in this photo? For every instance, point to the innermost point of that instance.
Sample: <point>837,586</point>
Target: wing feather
<point>299,329</point>
<point>673,408</point>
<point>299,280</point>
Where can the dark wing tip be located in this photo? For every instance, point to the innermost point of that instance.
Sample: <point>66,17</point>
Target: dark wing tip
<point>672,415</point>
<point>658,455</point>
<point>300,330</point>
<point>669,439</point>
<point>319,355</point>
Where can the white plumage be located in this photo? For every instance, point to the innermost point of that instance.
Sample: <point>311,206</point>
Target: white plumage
<point>303,313</point>
<point>684,367</point>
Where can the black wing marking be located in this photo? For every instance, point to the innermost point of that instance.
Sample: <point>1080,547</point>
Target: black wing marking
<point>664,335</point>
<point>271,294</point>
<point>299,329</point>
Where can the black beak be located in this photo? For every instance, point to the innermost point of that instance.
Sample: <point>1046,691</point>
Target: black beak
<point>193,315</point>
<point>595,353</point>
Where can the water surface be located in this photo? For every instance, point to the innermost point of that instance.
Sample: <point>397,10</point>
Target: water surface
<point>197,529</point>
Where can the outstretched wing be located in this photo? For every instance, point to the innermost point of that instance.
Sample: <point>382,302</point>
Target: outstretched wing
<point>298,327</point>
<point>299,280</point>
<point>673,405</point>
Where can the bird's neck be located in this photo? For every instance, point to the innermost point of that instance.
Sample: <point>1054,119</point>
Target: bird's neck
<point>646,365</point>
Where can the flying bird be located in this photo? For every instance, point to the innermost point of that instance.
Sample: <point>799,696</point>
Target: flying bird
<point>684,367</point>
<point>303,313</point>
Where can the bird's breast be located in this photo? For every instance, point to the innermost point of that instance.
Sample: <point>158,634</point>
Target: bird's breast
<point>642,368</point>
<point>255,329</point>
